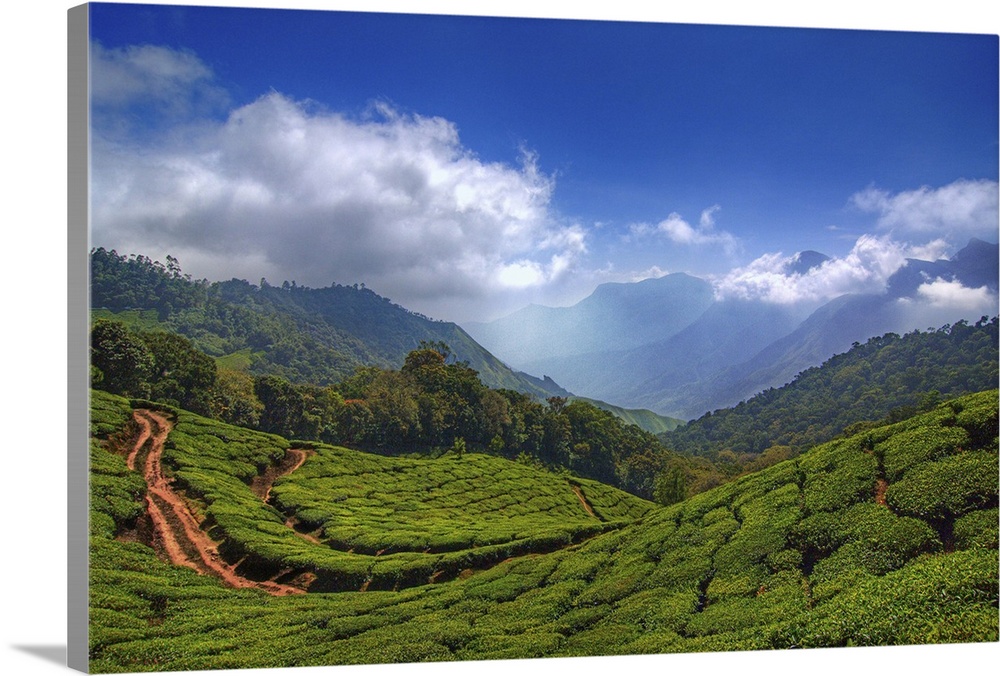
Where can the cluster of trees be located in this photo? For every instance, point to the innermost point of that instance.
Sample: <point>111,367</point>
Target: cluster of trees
<point>888,378</point>
<point>151,365</point>
<point>434,404</point>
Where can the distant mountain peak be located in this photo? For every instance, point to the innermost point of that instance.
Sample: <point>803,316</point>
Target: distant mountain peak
<point>974,266</point>
<point>804,261</point>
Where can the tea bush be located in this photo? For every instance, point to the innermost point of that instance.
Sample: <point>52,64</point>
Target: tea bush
<point>977,530</point>
<point>916,446</point>
<point>947,488</point>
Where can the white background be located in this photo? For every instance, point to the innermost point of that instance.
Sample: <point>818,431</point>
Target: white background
<point>33,366</point>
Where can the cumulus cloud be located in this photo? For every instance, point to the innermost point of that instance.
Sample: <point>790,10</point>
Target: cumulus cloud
<point>865,269</point>
<point>679,231</point>
<point>285,189</point>
<point>924,224</point>
<point>957,211</point>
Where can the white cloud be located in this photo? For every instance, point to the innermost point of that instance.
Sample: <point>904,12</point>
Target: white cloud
<point>957,211</point>
<point>939,302</point>
<point>679,231</point>
<point>865,269</point>
<point>941,293</point>
<point>286,190</point>
<point>931,251</point>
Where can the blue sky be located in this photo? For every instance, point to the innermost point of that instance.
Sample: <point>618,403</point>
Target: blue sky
<point>464,166</point>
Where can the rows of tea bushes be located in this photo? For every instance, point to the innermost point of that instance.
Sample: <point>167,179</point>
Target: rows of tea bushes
<point>370,521</point>
<point>887,537</point>
<point>371,503</point>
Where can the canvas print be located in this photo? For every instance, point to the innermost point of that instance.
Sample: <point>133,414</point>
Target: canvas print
<point>424,338</point>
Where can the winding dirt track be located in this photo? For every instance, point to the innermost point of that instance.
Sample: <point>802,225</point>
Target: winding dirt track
<point>177,531</point>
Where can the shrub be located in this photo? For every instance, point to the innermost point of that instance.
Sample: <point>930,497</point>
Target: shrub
<point>947,488</point>
<point>911,448</point>
<point>850,479</point>
<point>977,530</point>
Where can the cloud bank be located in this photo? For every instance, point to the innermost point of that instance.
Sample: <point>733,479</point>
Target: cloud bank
<point>285,189</point>
<point>865,269</point>
<point>957,211</point>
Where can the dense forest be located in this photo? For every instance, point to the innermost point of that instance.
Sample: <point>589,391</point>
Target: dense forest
<point>304,335</point>
<point>889,377</point>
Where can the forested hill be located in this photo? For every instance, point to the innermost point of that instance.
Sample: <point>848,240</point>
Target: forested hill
<point>890,376</point>
<point>306,335</point>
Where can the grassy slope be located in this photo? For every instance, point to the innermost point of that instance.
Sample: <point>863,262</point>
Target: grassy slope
<point>801,554</point>
<point>640,417</point>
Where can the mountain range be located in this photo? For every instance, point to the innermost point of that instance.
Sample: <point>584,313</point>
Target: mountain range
<point>671,345</point>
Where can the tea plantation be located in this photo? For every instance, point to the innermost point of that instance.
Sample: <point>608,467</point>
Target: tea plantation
<point>888,537</point>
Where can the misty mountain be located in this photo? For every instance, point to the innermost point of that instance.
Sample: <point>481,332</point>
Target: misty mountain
<point>830,330</point>
<point>616,316</point>
<point>726,333</point>
<point>837,325</point>
<point>733,348</point>
<point>803,262</point>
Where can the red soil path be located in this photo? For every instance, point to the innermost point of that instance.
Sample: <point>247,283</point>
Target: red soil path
<point>177,532</point>
<point>583,501</point>
<point>261,485</point>
<point>881,486</point>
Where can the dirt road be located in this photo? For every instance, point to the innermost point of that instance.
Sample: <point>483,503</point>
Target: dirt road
<point>177,532</point>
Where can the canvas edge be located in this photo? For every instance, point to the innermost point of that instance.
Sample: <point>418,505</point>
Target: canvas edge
<point>78,290</point>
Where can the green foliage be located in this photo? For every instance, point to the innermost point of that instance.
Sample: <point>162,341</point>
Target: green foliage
<point>182,376</point>
<point>122,363</point>
<point>767,561</point>
<point>977,529</point>
<point>915,446</point>
<point>888,378</point>
<point>947,488</point>
<point>838,474</point>
<point>306,336</point>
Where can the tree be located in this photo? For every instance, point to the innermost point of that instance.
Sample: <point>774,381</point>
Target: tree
<point>671,486</point>
<point>122,360</point>
<point>283,406</point>
<point>234,400</point>
<point>183,376</point>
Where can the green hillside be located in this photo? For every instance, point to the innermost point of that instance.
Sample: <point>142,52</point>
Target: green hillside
<point>885,537</point>
<point>640,417</point>
<point>888,376</point>
<point>382,522</point>
<point>305,335</point>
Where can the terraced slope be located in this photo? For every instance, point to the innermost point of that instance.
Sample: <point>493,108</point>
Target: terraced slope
<point>350,520</point>
<point>889,537</point>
